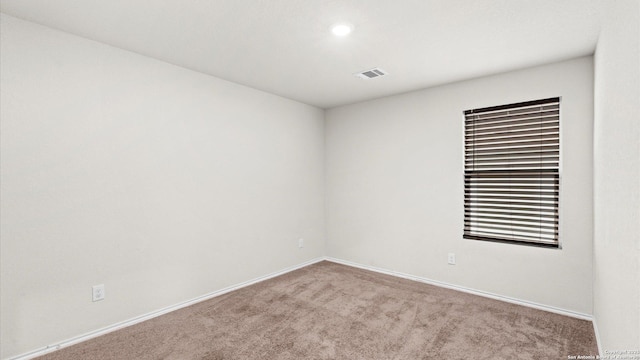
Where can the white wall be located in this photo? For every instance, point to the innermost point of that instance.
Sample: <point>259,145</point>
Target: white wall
<point>617,178</point>
<point>162,183</point>
<point>394,178</point>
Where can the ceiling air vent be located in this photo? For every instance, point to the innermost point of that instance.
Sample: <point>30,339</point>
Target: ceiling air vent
<point>371,74</point>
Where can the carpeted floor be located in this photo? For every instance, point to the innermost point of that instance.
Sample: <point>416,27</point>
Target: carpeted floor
<point>332,311</point>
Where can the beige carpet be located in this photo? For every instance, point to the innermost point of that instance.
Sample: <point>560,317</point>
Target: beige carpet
<point>332,311</point>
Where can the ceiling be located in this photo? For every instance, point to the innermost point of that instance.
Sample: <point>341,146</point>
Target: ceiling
<point>286,47</point>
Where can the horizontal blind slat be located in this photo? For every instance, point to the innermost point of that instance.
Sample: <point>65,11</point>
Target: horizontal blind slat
<point>534,186</point>
<point>531,149</point>
<point>516,210</point>
<point>550,204</point>
<point>515,214</point>
<point>535,228</point>
<point>502,159</point>
<point>538,133</point>
<point>522,238</point>
<point>513,125</point>
<point>513,141</point>
<point>509,219</point>
<point>513,144</point>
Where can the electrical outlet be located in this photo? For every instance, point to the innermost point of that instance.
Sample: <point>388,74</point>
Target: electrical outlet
<point>451,259</point>
<point>98,292</point>
<point>301,243</point>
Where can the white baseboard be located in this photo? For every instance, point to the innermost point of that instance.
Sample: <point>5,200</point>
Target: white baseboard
<point>595,330</point>
<point>151,315</point>
<point>466,290</point>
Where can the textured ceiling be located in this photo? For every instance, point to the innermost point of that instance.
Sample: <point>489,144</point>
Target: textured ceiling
<point>286,47</point>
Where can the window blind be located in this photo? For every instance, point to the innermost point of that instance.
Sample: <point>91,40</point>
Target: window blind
<point>511,176</point>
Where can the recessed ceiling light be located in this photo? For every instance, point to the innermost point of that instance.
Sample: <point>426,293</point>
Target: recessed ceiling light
<point>341,29</point>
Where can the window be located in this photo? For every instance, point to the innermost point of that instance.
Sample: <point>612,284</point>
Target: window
<point>511,173</point>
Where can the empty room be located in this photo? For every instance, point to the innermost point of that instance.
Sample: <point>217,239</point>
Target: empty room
<point>319,179</point>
